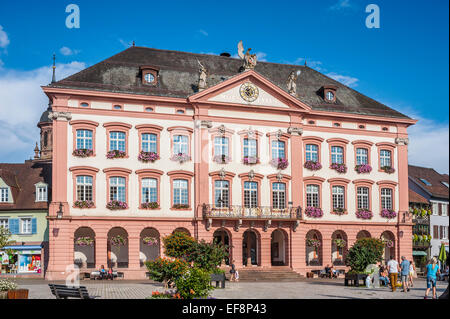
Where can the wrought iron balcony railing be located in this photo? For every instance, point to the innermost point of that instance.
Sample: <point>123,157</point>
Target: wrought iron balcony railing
<point>260,212</point>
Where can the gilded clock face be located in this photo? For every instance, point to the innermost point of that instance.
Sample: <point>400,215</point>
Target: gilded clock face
<point>249,92</point>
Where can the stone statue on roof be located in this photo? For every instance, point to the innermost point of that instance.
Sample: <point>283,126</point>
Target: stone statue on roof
<point>202,77</point>
<point>291,85</point>
<point>249,59</point>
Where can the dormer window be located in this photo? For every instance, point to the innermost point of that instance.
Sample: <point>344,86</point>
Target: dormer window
<point>4,194</point>
<point>330,96</point>
<point>41,192</point>
<point>149,75</point>
<point>329,93</point>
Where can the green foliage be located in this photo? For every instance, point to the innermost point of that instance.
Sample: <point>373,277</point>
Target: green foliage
<point>207,256</point>
<point>177,244</point>
<point>5,236</point>
<point>365,251</point>
<point>166,270</point>
<point>194,284</point>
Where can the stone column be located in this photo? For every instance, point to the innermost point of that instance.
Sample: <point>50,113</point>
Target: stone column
<point>265,250</point>
<point>296,162</point>
<point>101,250</point>
<point>237,249</point>
<point>134,252</point>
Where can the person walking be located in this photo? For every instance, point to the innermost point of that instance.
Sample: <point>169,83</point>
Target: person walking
<point>233,272</point>
<point>412,273</point>
<point>432,270</point>
<point>405,273</point>
<point>393,269</point>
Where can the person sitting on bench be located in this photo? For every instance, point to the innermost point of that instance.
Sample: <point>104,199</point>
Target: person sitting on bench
<point>102,272</point>
<point>110,274</point>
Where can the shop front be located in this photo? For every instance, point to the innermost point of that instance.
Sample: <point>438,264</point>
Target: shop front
<point>21,260</point>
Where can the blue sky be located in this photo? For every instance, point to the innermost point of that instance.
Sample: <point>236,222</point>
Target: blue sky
<point>403,64</point>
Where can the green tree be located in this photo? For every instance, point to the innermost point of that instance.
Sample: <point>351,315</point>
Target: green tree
<point>207,256</point>
<point>166,270</point>
<point>5,236</point>
<point>195,283</point>
<point>364,252</point>
<point>177,244</point>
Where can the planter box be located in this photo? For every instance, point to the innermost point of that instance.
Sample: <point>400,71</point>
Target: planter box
<point>18,294</point>
<point>218,278</point>
<point>354,278</point>
<point>3,294</point>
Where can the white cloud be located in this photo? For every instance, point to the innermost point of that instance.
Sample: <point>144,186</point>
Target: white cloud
<point>341,4</point>
<point>203,32</point>
<point>4,40</point>
<point>21,106</point>
<point>125,43</point>
<point>68,51</point>
<point>261,56</point>
<point>344,79</point>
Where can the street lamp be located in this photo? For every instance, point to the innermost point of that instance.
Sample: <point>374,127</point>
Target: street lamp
<point>59,213</point>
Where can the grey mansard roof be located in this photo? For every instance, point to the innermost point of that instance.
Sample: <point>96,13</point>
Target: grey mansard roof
<point>178,77</point>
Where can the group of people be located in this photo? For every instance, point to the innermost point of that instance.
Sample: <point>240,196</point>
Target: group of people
<point>106,274</point>
<point>389,275</point>
<point>331,272</point>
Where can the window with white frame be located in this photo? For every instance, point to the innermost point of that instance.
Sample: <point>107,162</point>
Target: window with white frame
<point>117,188</point>
<point>25,225</point>
<point>337,155</point>
<point>84,139</point>
<point>338,194</point>
<point>278,149</point>
<point>385,158</point>
<point>117,141</point>
<point>444,209</point>
<point>149,143</point>
<point>312,152</point>
<point>250,194</point>
<point>312,196</point>
<point>41,192</point>
<point>84,188</point>
<point>149,190</point>
<point>386,198</point>
<point>444,232</point>
<point>362,156</point>
<point>4,194</point>
<point>180,192</point>
<point>250,148</point>
<point>180,144</point>
<point>435,208</point>
<point>363,197</point>
<point>221,145</point>
<point>4,222</point>
<point>221,193</point>
<point>279,195</point>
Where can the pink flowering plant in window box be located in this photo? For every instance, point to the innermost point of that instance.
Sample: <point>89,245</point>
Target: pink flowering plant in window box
<point>221,159</point>
<point>180,206</point>
<point>148,156</point>
<point>83,152</point>
<point>388,169</point>
<point>339,242</point>
<point>279,163</point>
<point>363,168</point>
<point>116,154</point>
<point>388,243</point>
<point>248,160</point>
<point>388,213</point>
<point>339,211</point>
<point>364,214</point>
<point>180,157</point>
<point>83,204</point>
<point>118,240</point>
<point>116,205</point>
<point>84,241</point>
<point>315,212</point>
<point>311,242</point>
<point>150,205</point>
<point>150,241</point>
<point>340,168</point>
<point>312,165</point>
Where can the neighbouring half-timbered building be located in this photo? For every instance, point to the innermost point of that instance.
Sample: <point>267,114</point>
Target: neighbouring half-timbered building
<point>280,162</point>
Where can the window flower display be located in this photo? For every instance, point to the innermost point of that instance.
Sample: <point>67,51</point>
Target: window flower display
<point>340,243</point>
<point>221,159</point>
<point>311,242</point>
<point>312,165</point>
<point>340,168</point>
<point>248,160</point>
<point>388,243</point>
<point>115,205</point>
<point>150,205</point>
<point>148,156</point>
<point>118,240</point>
<point>364,214</point>
<point>279,163</point>
<point>84,241</point>
<point>150,241</point>
<point>83,152</point>
<point>339,211</point>
<point>363,168</point>
<point>180,157</point>
<point>180,206</point>
<point>388,213</point>
<point>116,154</point>
<point>83,204</point>
<point>388,169</point>
<point>315,212</point>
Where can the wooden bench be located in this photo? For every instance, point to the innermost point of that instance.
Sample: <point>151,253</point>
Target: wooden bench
<point>64,292</point>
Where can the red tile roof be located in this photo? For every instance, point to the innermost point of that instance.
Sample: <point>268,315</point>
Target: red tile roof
<point>417,198</point>
<point>436,189</point>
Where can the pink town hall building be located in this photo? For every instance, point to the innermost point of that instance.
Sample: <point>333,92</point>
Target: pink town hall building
<point>280,162</point>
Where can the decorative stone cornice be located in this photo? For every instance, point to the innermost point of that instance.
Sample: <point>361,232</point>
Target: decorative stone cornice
<point>65,116</point>
<point>207,124</point>
<point>402,140</point>
<point>295,130</point>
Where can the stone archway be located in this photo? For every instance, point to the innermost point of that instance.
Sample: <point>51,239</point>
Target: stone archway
<point>363,234</point>
<point>117,248</point>
<point>389,245</point>
<point>150,245</point>
<point>250,247</point>
<point>278,248</point>
<point>313,244</point>
<point>339,247</point>
<point>223,236</point>
<point>181,230</point>
<point>84,247</point>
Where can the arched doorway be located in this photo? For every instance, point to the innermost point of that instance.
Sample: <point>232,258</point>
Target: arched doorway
<point>250,248</point>
<point>313,248</point>
<point>338,248</point>
<point>181,230</point>
<point>221,236</point>
<point>388,239</point>
<point>278,245</point>
<point>363,234</point>
<point>150,244</point>
<point>117,248</point>
<point>84,248</point>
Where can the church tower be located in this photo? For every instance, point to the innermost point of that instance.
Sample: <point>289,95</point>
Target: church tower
<point>46,141</point>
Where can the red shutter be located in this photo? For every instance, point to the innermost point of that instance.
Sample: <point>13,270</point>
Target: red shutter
<point>436,232</point>
<point>440,209</point>
<point>441,232</point>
